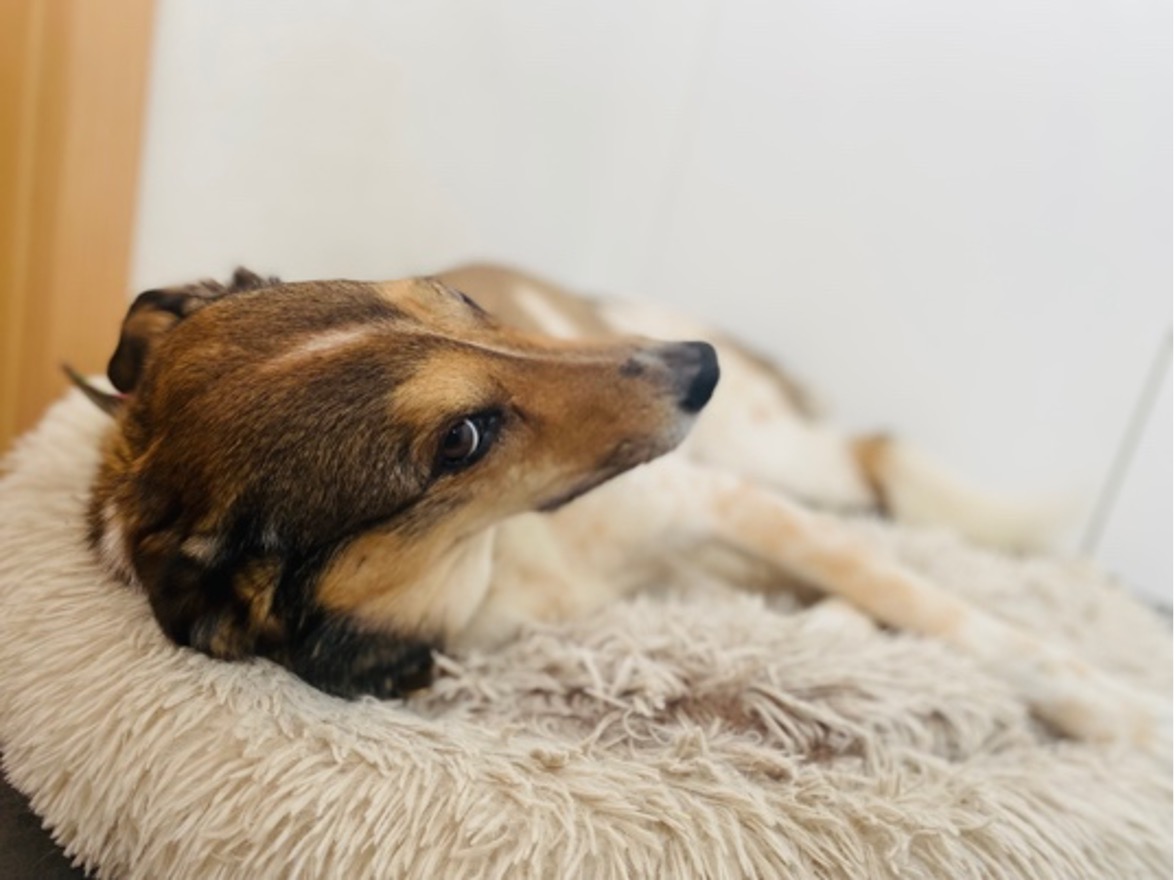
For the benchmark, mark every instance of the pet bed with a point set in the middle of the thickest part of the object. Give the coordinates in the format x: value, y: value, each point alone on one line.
x: 704, y: 734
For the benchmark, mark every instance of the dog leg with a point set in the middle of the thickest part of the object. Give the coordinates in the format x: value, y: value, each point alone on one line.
x: 1077, y: 698
x: 833, y: 614
x: 914, y: 489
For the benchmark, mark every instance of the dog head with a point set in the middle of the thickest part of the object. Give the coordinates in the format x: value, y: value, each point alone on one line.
x: 272, y: 437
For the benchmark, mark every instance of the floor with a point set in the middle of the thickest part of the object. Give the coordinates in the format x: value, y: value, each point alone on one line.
x: 26, y: 850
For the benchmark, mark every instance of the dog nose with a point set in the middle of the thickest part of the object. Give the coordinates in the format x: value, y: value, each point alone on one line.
x: 695, y: 368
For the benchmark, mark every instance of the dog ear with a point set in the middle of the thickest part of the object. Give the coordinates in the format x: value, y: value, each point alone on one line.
x: 154, y: 313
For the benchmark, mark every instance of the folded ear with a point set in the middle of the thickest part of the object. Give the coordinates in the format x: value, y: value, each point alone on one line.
x: 154, y: 313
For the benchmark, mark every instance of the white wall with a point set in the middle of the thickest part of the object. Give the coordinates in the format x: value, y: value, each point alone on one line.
x: 1137, y: 536
x: 955, y: 219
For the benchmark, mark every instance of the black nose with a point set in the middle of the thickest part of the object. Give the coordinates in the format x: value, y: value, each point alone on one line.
x: 695, y: 368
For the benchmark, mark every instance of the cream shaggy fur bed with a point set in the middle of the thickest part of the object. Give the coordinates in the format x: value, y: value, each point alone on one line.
x: 700, y: 735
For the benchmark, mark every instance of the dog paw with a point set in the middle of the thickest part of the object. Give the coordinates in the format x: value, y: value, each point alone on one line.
x: 1113, y: 713
x: 836, y: 616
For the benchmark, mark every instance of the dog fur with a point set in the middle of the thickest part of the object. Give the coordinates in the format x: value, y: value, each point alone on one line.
x: 345, y: 476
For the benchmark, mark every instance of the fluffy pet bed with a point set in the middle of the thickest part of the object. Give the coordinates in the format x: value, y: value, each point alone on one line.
x: 699, y: 735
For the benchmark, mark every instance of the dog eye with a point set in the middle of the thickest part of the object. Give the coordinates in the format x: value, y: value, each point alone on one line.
x: 460, y: 442
x: 467, y: 440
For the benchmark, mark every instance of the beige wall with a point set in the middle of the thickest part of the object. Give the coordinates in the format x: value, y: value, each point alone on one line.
x: 72, y: 81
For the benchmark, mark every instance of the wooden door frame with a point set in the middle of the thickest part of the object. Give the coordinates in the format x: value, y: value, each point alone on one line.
x: 73, y: 77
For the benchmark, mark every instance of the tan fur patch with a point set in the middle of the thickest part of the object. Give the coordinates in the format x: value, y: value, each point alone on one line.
x: 506, y: 293
x: 871, y: 453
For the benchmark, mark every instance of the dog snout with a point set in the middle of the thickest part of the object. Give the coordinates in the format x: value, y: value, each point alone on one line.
x: 693, y: 369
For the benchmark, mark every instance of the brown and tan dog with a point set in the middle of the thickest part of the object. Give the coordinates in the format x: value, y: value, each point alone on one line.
x: 343, y: 476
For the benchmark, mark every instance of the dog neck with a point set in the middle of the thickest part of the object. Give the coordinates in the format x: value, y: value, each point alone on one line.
x: 387, y: 582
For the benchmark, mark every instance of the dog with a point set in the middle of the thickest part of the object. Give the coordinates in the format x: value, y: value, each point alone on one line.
x: 344, y: 477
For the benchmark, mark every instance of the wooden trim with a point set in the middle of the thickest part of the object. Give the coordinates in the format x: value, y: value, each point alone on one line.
x: 72, y: 89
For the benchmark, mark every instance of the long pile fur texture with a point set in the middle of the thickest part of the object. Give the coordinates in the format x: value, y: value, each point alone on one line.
x: 704, y: 734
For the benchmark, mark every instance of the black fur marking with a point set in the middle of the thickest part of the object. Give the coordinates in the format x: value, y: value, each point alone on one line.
x: 198, y: 602
x: 632, y: 368
x: 477, y: 309
x: 202, y: 604
x: 335, y: 655
x: 191, y: 601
